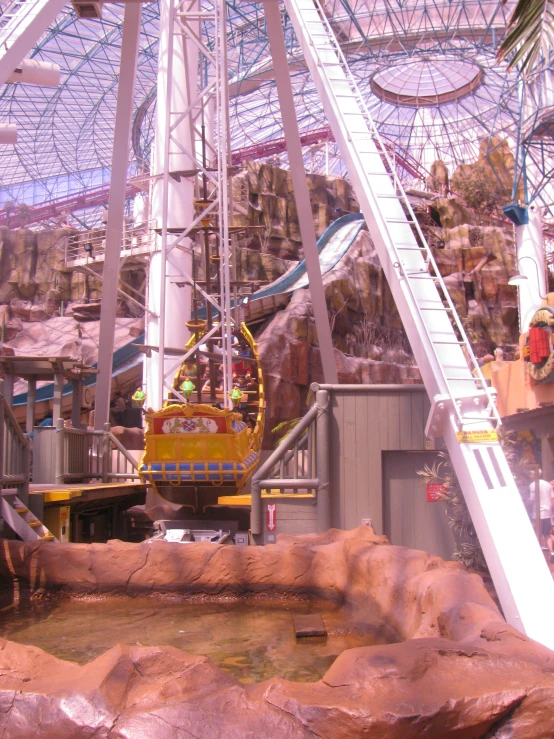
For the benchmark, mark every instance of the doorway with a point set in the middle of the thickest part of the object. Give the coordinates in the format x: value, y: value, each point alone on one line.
x: 408, y: 519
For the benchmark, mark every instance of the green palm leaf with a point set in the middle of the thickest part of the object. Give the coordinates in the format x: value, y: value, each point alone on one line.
x: 530, y: 32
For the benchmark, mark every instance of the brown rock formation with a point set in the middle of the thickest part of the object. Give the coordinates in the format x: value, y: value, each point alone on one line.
x: 265, y: 195
x: 371, y: 346
x: 462, y: 671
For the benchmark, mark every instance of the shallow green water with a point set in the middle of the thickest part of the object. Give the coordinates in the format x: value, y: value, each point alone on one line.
x: 251, y: 640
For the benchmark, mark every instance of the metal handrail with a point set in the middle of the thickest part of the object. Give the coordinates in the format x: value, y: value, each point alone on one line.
x: 93, y: 458
x: 15, y: 460
x: 317, y: 477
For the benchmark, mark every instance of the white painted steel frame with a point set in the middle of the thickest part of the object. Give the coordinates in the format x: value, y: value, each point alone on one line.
x: 182, y: 19
x: 116, y: 209
x: 452, y: 379
x: 300, y: 185
x: 26, y: 23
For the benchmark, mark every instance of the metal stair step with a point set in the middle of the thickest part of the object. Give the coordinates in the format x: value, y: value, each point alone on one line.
x: 21, y: 509
x: 34, y: 524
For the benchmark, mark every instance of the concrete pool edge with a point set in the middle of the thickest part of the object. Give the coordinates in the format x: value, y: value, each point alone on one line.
x: 462, y: 668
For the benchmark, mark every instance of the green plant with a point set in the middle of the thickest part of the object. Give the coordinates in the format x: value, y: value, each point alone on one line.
x: 9, y: 207
x: 530, y: 31
x: 468, y: 550
x: 479, y: 188
x: 24, y: 213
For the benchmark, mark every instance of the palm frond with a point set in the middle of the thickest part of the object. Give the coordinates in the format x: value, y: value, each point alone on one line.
x: 530, y: 31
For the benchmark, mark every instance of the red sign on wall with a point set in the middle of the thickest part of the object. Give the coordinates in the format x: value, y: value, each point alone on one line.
x: 435, y: 491
x: 271, y: 516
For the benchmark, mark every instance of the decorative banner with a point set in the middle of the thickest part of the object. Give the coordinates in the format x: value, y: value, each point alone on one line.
x: 477, y: 437
x: 271, y: 516
x: 435, y: 491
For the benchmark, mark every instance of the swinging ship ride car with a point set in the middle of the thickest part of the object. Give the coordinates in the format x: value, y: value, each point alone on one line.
x: 191, y: 444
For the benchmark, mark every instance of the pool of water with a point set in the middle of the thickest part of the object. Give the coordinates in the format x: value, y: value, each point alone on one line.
x: 251, y: 640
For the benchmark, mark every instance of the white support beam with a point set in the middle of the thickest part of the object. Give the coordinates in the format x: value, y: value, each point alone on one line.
x: 116, y: 206
x: 23, y: 30
x: 301, y: 192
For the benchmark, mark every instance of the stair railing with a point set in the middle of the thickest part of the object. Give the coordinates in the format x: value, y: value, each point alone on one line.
x: 300, y: 462
x: 87, y: 454
x: 14, y: 449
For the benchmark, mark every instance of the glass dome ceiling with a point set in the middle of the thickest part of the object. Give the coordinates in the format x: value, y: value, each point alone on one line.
x: 427, y: 69
x: 426, y: 82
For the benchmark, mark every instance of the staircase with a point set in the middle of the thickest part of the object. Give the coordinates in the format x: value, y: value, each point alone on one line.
x: 22, y: 521
x: 463, y: 409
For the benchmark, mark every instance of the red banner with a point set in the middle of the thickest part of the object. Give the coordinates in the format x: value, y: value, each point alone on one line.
x: 435, y: 492
x: 271, y: 516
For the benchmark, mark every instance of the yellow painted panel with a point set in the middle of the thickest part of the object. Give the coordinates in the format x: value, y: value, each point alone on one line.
x: 245, y: 500
x: 217, y: 448
x: 166, y: 449
x: 192, y: 447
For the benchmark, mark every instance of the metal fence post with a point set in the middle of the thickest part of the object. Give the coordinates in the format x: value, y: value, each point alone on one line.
x: 60, y: 461
x: 106, y: 454
x: 255, y: 509
x: 322, y: 401
x: 26, y: 459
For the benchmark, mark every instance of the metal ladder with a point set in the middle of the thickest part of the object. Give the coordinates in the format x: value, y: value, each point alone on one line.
x: 463, y: 410
x: 15, y: 18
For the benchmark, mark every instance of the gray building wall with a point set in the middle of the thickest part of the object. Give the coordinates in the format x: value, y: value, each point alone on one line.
x: 365, y: 422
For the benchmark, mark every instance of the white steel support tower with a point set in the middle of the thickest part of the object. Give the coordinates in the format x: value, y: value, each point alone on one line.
x: 463, y: 410
x: 190, y: 167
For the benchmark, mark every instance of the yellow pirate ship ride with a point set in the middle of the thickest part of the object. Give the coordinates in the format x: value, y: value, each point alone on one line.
x: 194, y: 444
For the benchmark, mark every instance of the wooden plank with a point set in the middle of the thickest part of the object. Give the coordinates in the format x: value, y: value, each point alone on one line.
x: 393, y: 412
x: 337, y: 463
x: 383, y: 422
x: 365, y: 440
x: 418, y: 421
x: 350, y: 475
x: 405, y: 420
x: 308, y: 624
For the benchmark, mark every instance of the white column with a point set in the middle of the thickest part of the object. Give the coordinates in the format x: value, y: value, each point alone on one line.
x: 116, y: 206
x: 530, y: 263
x: 177, y: 85
x: 301, y: 192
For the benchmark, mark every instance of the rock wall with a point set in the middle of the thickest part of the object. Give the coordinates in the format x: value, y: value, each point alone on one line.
x: 462, y: 671
x: 485, y: 302
x: 370, y: 343
x: 264, y: 194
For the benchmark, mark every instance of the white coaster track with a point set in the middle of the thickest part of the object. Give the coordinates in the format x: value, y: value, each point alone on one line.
x: 460, y: 398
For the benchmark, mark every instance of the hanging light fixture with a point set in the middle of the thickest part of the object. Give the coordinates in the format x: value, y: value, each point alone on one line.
x: 187, y: 388
x: 518, y: 279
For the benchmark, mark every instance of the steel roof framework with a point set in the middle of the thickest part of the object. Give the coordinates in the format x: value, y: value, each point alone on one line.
x: 65, y: 135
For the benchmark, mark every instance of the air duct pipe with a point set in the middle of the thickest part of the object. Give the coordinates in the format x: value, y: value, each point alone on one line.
x: 35, y: 72
x: 8, y: 133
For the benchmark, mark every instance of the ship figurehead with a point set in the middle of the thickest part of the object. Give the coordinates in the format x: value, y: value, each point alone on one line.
x: 539, y: 350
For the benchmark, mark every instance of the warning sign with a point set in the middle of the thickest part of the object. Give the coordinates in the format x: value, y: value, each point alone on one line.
x: 477, y: 437
x: 435, y: 491
x: 271, y: 516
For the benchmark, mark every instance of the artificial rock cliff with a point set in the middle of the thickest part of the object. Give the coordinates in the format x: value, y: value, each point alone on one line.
x: 36, y: 285
x: 458, y: 670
